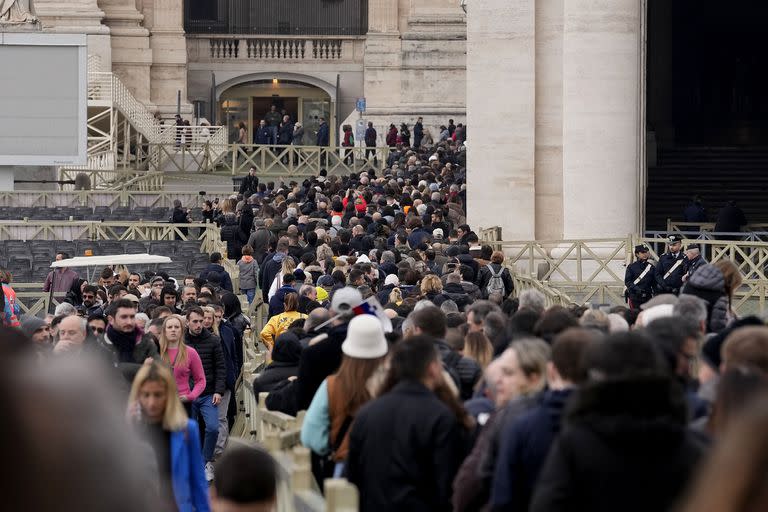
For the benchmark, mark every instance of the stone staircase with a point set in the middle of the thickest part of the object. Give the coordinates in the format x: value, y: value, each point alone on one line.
x: 716, y: 174
x: 124, y: 136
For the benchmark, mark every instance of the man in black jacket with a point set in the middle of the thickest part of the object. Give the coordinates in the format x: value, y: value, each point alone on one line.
x: 129, y: 347
x: 418, y: 133
x: 250, y: 184
x: 271, y: 266
x: 406, y: 446
x: 430, y: 321
x: 208, y: 347
x: 370, y: 142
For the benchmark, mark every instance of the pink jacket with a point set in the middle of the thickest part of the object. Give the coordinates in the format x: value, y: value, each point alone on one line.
x: 194, y: 367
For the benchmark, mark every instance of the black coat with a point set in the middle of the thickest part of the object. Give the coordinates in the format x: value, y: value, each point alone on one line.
x: 249, y: 186
x: 317, y: 362
x: 625, y: 447
x: 323, y: 135
x: 285, y: 363
x: 484, y: 277
x: 404, y: 450
x: 180, y: 216
x: 208, y: 347
x: 730, y: 220
x: 285, y: 135
x: 230, y: 233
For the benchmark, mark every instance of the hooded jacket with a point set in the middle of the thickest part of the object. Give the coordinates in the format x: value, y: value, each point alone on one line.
x: 249, y: 273
x: 270, y: 268
x: 624, y: 443
x: 285, y: 363
x: 224, y: 279
x: 708, y: 284
x: 230, y: 233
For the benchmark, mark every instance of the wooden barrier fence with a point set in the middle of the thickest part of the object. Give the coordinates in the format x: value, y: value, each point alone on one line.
x: 279, y: 433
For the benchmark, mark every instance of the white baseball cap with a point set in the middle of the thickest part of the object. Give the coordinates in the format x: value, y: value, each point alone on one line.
x: 344, y: 299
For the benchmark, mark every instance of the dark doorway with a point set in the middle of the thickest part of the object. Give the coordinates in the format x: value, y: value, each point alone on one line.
x: 707, y: 107
x: 261, y: 106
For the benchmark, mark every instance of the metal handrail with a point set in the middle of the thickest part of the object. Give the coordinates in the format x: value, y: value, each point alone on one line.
x: 593, y: 269
x: 93, y: 198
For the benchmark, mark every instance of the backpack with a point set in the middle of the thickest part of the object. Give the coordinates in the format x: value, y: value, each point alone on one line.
x: 495, y: 283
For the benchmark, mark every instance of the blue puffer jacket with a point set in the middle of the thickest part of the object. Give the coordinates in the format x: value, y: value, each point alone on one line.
x: 187, y: 474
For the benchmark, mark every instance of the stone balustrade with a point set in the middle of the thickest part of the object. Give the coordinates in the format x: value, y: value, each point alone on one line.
x: 205, y: 48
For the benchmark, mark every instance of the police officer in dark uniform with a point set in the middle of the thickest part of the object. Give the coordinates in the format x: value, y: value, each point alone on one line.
x: 671, y: 268
x: 640, y: 278
x: 693, y: 260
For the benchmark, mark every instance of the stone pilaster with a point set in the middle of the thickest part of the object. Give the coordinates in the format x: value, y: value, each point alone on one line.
x: 131, y: 54
x: 77, y: 17
x: 549, y: 120
x: 383, y: 55
x: 168, y: 74
x: 601, y: 117
x: 501, y: 98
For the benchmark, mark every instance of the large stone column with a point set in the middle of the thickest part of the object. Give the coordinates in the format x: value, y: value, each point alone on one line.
x: 168, y: 74
x: 601, y: 121
x: 131, y: 55
x: 501, y: 98
x: 549, y: 120
x: 78, y: 17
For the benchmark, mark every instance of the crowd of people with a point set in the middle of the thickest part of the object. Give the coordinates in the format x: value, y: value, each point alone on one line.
x: 280, y: 128
x: 427, y: 380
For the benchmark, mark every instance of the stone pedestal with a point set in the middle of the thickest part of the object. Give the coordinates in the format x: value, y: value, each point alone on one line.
x: 131, y: 54
x: 501, y: 96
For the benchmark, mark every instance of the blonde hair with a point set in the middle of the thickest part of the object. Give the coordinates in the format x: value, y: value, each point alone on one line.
x: 732, y: 277
x: 396, y: 296
x: 215, y: 326
x: 174, y: 417
x: 477, y: 346
x: 431, y: 283
x: 181, y: 356
x: 288, y: 266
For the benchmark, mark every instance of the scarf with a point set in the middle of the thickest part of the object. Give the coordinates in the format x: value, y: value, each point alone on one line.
x: 124, y: 343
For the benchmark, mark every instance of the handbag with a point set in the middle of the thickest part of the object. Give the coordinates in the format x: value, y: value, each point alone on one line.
x: 326, y: 463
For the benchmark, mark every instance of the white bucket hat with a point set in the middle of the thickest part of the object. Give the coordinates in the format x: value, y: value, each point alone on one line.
x: 365, y: 338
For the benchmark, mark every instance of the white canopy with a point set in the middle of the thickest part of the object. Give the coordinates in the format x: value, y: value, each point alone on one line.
x: 116, y: 259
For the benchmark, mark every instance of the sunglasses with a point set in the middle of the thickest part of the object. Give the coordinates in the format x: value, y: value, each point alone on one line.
x: 97, y: 330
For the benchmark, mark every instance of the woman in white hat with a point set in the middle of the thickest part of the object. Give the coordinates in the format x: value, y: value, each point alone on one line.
x: 328, y: 420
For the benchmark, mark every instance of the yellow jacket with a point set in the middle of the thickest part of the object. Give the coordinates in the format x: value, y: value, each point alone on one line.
x: 277, y: 325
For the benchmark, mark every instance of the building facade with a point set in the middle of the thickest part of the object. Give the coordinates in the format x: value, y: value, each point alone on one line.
x: 230, y: 60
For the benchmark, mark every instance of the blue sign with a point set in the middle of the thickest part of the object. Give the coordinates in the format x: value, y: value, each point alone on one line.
x: 360, y: 107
